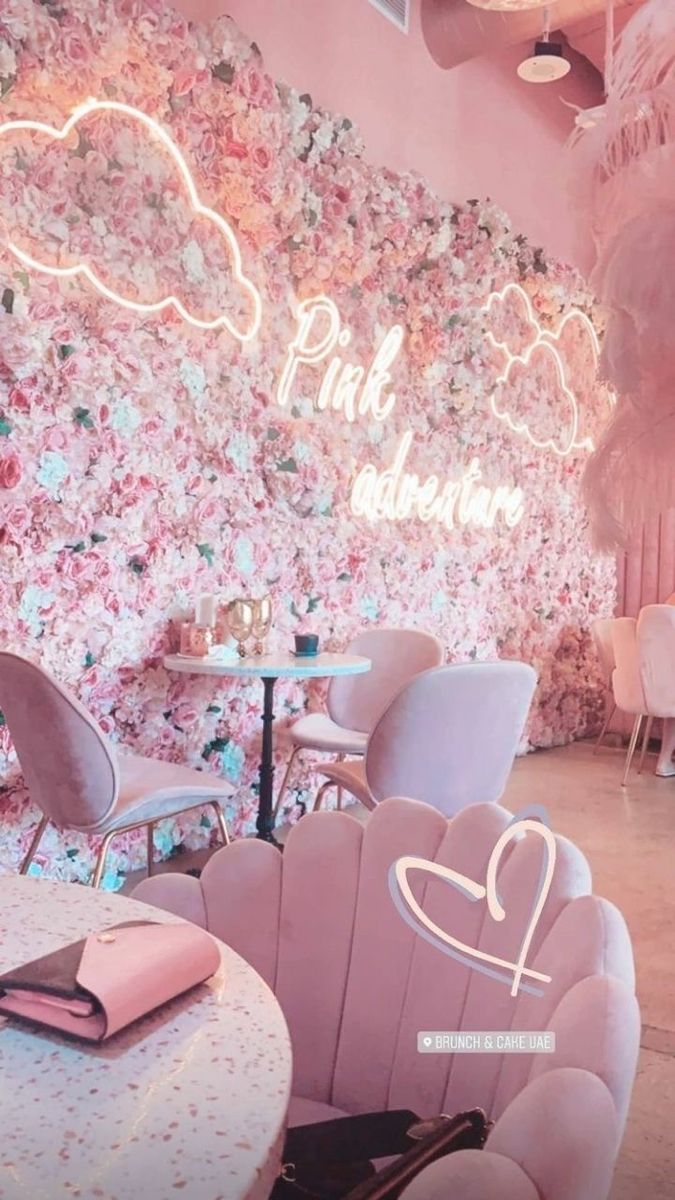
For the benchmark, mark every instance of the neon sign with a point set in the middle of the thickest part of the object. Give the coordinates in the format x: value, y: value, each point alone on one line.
x: 546, y: 341
x: 85, y: 270
x: 345, y: 387
x: 395, y: 495
x: 488, y: 964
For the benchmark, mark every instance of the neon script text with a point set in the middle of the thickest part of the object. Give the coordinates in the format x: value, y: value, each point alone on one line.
x: 345, y: 387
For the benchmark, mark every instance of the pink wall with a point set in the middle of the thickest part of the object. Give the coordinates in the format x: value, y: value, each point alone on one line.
x: 647, y: 570
x: 474, y: 131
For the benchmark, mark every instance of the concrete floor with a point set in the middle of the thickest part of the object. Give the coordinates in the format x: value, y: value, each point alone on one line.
x: 628, y: 836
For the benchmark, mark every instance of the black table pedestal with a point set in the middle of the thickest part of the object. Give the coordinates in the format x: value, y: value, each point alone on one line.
x: 265, y: 821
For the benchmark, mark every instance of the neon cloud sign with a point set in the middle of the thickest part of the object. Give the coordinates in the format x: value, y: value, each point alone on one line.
x: 545, y: 341
x: 83, y: 269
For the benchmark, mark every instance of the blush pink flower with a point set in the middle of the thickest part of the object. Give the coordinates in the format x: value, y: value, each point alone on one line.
x: 11, y: 471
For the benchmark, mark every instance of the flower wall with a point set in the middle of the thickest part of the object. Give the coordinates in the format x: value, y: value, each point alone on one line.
x: 144, y: 458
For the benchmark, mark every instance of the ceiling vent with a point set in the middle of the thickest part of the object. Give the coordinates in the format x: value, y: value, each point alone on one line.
x: 398, y: 11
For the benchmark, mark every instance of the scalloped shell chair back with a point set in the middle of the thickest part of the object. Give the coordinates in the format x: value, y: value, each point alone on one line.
x: 448, y: 738
x: 74, y: 776
x: 355, y: 702
x: 356, y: 984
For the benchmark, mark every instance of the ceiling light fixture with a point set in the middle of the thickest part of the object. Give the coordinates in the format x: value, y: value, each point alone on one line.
x: 548, y: 62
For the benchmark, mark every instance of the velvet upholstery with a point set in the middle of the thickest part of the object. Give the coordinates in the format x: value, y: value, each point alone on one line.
x: 626, y: 682
x: 448, y: 737
x: 356, y: 984
x: 72, y: 772
x: 655, y: 636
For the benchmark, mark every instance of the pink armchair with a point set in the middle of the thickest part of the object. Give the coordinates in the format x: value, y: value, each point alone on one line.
x: 356, y: 984
x: 448, y: 737
x: 76, y: 779
x: 355, y: 702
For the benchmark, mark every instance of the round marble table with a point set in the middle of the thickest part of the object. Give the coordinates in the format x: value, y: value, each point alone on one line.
x: 191, y: 1101
x: 269, y: 668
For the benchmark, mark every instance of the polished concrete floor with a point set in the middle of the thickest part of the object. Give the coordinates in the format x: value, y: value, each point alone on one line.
x: 628, y: 836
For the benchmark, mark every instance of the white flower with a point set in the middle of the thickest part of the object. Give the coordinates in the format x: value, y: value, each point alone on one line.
x: 193, y: 378
x: 33, y: 601
x: 52, y: 472
x: 124, y: 418
x: 193, y: 261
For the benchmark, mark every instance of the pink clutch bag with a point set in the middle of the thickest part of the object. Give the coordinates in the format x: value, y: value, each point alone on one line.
x: 96, y: 987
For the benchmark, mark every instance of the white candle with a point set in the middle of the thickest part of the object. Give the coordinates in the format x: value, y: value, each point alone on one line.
x: 206, y: 609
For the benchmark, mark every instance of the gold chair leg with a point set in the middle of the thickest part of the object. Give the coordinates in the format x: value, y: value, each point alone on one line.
x: 102, y: 855
x: 340, y: 758
x: 35, y: 842
x: 631, y: 748
x: 322, y: 792
x: 222, y: 823
x: 151, y: 847
x: 605, y: 727
x: 286, y: 779
x: 645, y: 743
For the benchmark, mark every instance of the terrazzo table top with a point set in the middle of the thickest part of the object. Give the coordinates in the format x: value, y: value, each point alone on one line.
x: 273, y: 666
x: 190, y: 1101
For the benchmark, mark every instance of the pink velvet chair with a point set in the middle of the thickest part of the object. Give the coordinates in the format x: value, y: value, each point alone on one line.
x: 655, y: 635
x: 601, y: 632
x: 74, y: 776
x: 357, y: 984
x: 355, y: 702
x: 449, y: 738
x: 627, y: 686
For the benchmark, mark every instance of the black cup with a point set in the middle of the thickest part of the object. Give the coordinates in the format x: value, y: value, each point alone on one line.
x: 306, y: 643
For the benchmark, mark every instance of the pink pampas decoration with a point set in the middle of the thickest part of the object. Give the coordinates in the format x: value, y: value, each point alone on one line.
x: 625, y: 170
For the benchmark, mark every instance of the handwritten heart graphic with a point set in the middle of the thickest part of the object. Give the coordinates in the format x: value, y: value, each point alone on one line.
x: 413, y: 914
x: 551, y: 345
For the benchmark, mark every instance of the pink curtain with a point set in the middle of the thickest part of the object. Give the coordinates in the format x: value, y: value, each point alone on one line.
x: 646, y: 571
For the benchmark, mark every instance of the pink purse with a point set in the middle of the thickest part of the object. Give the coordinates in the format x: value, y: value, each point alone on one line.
x: 95, y: 987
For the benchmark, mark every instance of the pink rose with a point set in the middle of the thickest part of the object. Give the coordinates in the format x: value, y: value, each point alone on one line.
x: 11, y: 471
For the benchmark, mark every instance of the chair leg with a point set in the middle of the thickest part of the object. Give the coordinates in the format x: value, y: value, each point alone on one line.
x: 605, y: 727
x: 222, y: 823
x: 35, y: 842
x: 151, y: 848
x: 631, y: 748
x: 102, y: 855
x: 286, y: 779
x: 340, y: 758
x: 645, y: 743
x: 322, y: 792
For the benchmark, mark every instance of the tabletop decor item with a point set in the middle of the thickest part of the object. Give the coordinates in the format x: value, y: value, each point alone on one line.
x: 77, y: 989
x: 205, y: 610
x: 306, y: 644
x: 240, y: 621
x: 262, y: 621
x: 195, y: 640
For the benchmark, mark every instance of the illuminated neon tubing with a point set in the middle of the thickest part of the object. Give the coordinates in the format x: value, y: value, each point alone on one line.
x: 544, y: 339
x: 85, y: 109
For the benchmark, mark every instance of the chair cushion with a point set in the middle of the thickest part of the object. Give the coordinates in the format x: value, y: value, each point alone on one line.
x: 151, y: 789
x: 307, y: 1112
x: 316, y: 731
x: 352, y: 777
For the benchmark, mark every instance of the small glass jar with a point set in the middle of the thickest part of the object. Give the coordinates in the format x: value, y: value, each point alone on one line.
x: 195, y: 640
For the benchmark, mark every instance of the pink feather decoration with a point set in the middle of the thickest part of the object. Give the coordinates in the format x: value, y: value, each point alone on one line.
x: 625, y: 176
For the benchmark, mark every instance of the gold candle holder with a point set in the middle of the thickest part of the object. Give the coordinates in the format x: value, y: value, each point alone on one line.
x: 262, y: 621
x: 240, y: 622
